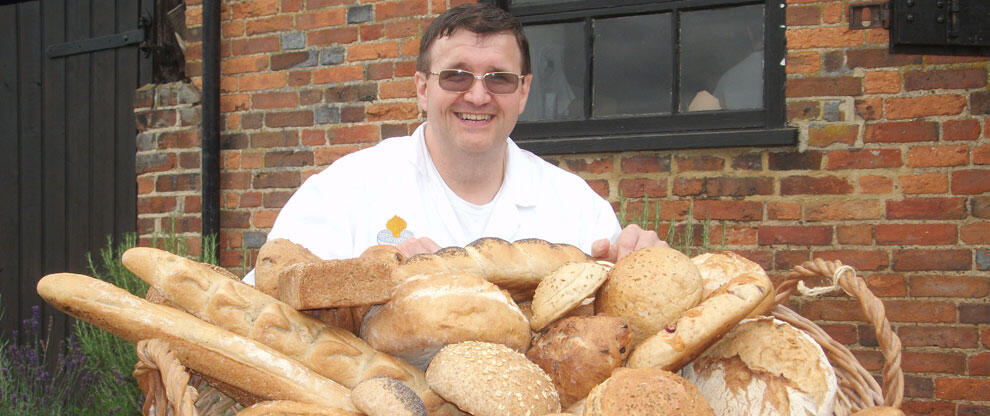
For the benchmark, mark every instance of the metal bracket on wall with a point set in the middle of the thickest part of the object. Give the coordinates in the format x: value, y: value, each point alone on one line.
x: 99, y: 43
x: 869, y: 15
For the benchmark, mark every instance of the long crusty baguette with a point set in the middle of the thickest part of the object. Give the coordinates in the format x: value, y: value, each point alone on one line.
x: 243, y: 363
x: 333, y: 352
x: 516, y: 267
x: 699, y: 327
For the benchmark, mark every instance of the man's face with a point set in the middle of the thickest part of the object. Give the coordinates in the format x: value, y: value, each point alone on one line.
x: 474, y: 121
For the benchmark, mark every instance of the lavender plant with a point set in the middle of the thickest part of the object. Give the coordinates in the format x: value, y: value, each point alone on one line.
x: 37, y: 378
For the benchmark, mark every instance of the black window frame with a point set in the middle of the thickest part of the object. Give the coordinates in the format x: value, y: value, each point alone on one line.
x: 677, y: 130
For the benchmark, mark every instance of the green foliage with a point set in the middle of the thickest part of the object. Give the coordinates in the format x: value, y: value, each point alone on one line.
x: 681, y: 236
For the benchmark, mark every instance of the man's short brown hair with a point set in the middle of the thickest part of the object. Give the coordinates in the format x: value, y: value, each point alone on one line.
x: 478, y: 18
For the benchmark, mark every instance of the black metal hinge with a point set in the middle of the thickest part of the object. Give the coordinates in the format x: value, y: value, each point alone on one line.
x: 117, y: 40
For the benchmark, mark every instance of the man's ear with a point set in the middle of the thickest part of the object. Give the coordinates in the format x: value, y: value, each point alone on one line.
x: 524, y: 90
x: 420, y: 79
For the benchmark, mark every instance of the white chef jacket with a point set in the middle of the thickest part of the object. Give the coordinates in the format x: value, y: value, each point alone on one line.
x: 392, y: 191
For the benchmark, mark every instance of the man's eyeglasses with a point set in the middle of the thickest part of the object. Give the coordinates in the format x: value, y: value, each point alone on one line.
x: 457, y: 80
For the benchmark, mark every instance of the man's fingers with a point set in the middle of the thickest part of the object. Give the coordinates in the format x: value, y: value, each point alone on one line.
x: 413, y: 246
x: 600, y: 248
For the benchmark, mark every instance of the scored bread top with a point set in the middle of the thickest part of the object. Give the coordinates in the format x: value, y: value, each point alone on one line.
x: 565, y: 289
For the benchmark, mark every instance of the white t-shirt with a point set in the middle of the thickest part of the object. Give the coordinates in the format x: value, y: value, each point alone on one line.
x: 391, y: 191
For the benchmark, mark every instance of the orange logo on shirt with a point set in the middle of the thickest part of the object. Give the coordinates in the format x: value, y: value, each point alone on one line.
x: 395, y: 231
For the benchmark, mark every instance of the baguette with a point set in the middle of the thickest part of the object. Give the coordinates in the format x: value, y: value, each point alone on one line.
x: 699, y: 327
x: 214, y: 352
x: 244, y: 310
x: 289, y: 408
x: 516, y: 267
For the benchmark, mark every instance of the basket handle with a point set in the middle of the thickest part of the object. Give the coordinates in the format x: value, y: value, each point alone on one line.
x: 164, y: 380
x: 845, y: 277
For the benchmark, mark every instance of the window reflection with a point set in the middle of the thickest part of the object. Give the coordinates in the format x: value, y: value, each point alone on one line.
x: 632, y: 61
x: 722, y: 59
x: 558, y: 60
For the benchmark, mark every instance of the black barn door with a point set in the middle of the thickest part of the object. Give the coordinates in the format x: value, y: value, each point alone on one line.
x: 67, y: 140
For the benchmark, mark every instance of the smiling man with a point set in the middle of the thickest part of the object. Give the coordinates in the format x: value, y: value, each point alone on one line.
x: 459, y: 176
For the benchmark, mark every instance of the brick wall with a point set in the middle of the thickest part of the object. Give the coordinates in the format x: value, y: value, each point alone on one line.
x: 891, y: 175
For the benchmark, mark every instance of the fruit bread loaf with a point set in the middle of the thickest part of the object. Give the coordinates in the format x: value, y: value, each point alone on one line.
x: 212, y: 351
x: 242, y: 309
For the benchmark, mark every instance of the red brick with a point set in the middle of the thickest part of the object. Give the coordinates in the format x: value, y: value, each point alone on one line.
x: 980, y: 206
x: 597, y: 165
x: 254, y: 8
x: 843, y: 210
x: 861, y: 260
x: 372, y: 51
x: 303, y: 118
x: 916, y: 234
x: 808, y: 160
x: 823, y: 37
x: 288, y: 60
x: 352, y: 114
x: 282, y: 138
x: 875, y: 184
x: 904, y: 131
x: 284, y: 179
x: 777, y: 210
x: 854, y: 234
x: 795, y: 235
x: 235, y: 180
x: 332, y: 36
x: 235, y: 102
x: 879, y: 58
x: 882, y: 82
x: 803, y: 110
x: 824, y: 87
x: 803, y: 63
x: 926, y: 209
x: 785, y: 260
x: 933, y: 362
x: 736, y: 186
x: 887, y: 285
x: 364, y: 133
x: 700, y: 163
x: 405, y: 68
x: 945, y: 79
x: 832, y: 310
x: 264, y: 218
x: 869, y: 108
x: 265, y: 81
x: 372, y: 32
x: 177, y: 182
x: 276, y: 199
x: 927, y: 407
x: 180, y: 139
x: 975, y: 233
x: 243, y: 64
x: 933, y: 260
x: 402, y: 28
x: 925, y: 183
x: 251, y: 46
x: 250, y: 200
x: 981, y: 154
x: 985, y: 336
x: 270, y: 100
x: 642, y: 187
x: 863, y: 159
x: 808, y: 185
x: 338, y: 74
x: 962, y: 389
x: 842, y: 333
x: 645, y: 163
x: 402, y: 8
x: 290, y: 158
x: 898, y: 108
x: 289, y: 6
x: 915, y: 311
x: 949, y: 286
x: 322, y: 18
x: 193, y: 204
x: 600, y: 186
x: 824, y: 135
x: 979, y: 102
x: 728, y: 210
x: 300, y: 78
x: 145, y: 185
x: 803, y: 15
x: 326, y: 155
x: 380, y: 70
x: 970, y: 182
x: 156, y: 204
x: 833, y: 13
x: 979, y: 364
x: 392, y: 111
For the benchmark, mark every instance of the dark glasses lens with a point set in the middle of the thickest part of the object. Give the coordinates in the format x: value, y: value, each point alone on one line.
x: 457, y: 80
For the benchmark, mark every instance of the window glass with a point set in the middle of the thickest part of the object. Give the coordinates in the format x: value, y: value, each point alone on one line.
x: 632, y: 62
x: 557, y: 57
x: 722, y: 59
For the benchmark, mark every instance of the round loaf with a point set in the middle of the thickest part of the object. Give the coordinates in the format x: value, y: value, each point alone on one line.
x: 580, y: 352
x: 486, y: 379
x: 649, y: 289
x: 646, y: 392
x: 564, y: 290
x: 717, y: 269
x: 765, y: 367
x: 427, y: 312
x: 386, y: 396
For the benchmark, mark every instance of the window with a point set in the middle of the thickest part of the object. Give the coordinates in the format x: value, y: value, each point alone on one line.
x: 649, y: 75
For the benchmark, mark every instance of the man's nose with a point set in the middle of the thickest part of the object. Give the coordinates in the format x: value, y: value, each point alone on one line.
x: 478, y: 93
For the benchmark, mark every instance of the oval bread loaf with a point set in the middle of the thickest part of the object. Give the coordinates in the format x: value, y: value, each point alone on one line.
x: 717, y: 269
x: 699, y: 327
x: 646, y: 392
x: 565, y: 289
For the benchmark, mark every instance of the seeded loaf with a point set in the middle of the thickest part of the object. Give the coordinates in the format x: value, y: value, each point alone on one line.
x: 646, y: 392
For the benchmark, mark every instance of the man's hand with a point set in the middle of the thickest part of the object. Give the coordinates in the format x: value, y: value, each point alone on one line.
x: 631, y: 238
x: 413, y: 246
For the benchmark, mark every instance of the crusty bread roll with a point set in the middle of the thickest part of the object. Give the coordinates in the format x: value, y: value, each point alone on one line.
x: 516, y: 267
x: 430, y: 311
x: 699, y: 327
x: 646, y: 392
x: 765, y: 367
x: 275, y: 255
x: 212, y: 351
x: 649, y: 289
x: 880, y: 411
x: 486, y: 379
x: 384, y: 396
x: 335, y: 353
x: 580, y: 352
x: 291, y: 408
x: 564, y: 289
x: 718, y: 268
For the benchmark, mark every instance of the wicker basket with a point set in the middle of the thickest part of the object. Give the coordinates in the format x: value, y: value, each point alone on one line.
x: 167, y: 385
